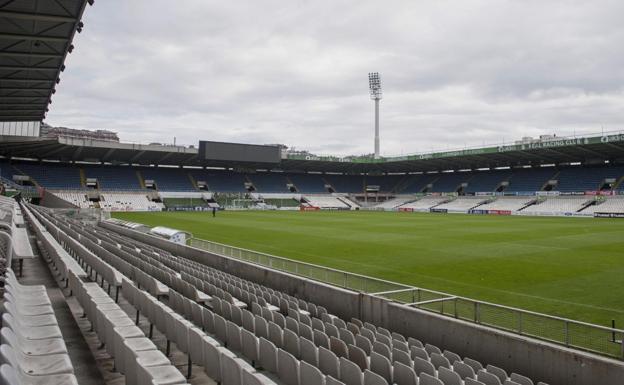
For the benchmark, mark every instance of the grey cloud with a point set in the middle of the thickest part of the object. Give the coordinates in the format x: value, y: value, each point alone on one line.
x: 454, y: 73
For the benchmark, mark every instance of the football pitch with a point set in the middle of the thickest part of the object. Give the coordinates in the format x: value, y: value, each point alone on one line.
x: 570, y: 267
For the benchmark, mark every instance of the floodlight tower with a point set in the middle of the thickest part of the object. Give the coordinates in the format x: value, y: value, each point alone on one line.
x: 374, y: 84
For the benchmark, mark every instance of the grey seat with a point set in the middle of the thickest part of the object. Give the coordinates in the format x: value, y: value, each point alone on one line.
x: 29, y: 347
x: 510, y: 382
x: 401, y: 356
x: 452, y: 357
x: 350, y: 373
x: 338, y: 347
x: 432, y: 349
x: 449, y: 377
x: 422, y: 366
x: 329, y: 380
x: 414, y: 342
x: 276, y: 335
x: 426, y: 379
x: 498, y: 372
x: 438, y: 361
x: 346, y: 336
x: 10, y: 376
x: 404, y: 374
x: 232, y: 370
x: 522, y: 380
x: 262, y: 327
x: 250, y: 346
x: 358, y: 356
x: 310, y: 375
x: 415, y: 351
x: 321, y: 339
x: 382, y: 349
x: 36, y: 365
x: 400, y: 345
x: 287, y: 367
x: 464, y: 370
x: 371, y: 378
x: 328, y: 362
x: 365, y: 332
x: 364, y: 344
x: 306, y: 331
x: 234, y: 337
x: 381, y: 365
x: 268, y: 355
x: 291, y: 343
x: 470, y: 381
x: 474, y: 364
x: 309, y: 351
x: 488, y: 378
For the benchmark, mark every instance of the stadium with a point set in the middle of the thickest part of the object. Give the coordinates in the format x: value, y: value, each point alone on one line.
x: 236, y: 263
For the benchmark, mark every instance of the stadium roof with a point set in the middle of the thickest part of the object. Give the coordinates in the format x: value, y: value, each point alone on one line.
x: 587, y: 150
x: 35, y: 37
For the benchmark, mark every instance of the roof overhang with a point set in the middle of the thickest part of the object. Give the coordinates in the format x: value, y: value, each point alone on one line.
x: 35, y: 38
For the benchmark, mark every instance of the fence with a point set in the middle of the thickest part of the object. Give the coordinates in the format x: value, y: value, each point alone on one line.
x: 575, y: 334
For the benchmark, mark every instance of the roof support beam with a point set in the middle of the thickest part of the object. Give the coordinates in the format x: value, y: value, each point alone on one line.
x: 26, y: 80
x: 17, y: 36
x: 2, y: 105
x: 24, y: 88
x: 22, y: 97
x: 32, y: 54
x: 20, y: 118
x: 28, y: 68
x: 37, y: 17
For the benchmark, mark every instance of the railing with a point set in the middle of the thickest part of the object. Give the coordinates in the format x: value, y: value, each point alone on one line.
x: 575, y: 334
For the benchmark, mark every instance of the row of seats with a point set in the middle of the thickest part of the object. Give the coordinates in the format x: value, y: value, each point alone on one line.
x: 64, y: 177
x: 33, y: 350
x: 461, y: 204
x: 272, y: 333
x: 134, y: 355
x: 13, y: 235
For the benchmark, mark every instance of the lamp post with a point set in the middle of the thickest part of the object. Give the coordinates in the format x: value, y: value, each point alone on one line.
x: 374, y: 84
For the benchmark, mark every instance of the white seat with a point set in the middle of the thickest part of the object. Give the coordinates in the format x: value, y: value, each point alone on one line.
x: 36, y: 365
x: 131, y: 347
x: 9, y: 376
x: 31, y: 347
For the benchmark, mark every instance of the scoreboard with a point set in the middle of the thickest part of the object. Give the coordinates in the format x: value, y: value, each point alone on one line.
x: 239, y: 152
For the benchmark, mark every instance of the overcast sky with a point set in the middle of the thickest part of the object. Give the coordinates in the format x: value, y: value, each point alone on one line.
x: 454, y: 73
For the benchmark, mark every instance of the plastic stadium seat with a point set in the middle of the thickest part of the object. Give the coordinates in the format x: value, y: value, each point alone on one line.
x: 9, y: 376
x: 350, y: 373
x: 401, y: 356
x: 423, y: 366
x: 358, y: 356
x: 268, y: 355
x: 426, y: 379
x: 449, y: 377
x: 498, y: 372
x: 287, y: 367
x: 475, y: 365
x: 363, y: 343
x: 522, y: 380
x: 404, y: 374
x: 309, y: 351
x: 488, y: 378
x: 328, y: 362
x: 382, y: 349
x: 310, y: 375
x: 381, y: 365
x: 338, y: 347
x: 371, y: 378
x: 36, y: 365
x: 464, y: 370
x: 438, y: 360
x: 30, y: 347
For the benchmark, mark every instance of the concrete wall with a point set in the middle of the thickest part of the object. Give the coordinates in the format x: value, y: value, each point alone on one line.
x: 538, y: 360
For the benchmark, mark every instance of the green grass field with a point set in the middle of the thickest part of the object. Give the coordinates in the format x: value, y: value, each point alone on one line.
x: 571, y: 267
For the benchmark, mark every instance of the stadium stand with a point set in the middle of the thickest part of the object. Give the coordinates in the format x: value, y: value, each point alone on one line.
x: 308, y: 183
x: 114, y: 178
x: 386, y: 183
x: 269, y: 182
x: 128, y: 202
x: 487, y: 181
x: 326, y: 202
x: 573, y: 179
x: 346, y: 183
x: 462, y: 204
x: 558, y: 205
x: 609, y: 205
x: 221, y: 181
x: 508, y: 203
x: 249, y: 333
x: 50, y: 175
x: 168, y: 179
x: 425, y: 203
x: 450, y: 182
x: 530, y: 179
x: 395, y: 202
x: 76, y: 198
x: 417, y: 183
